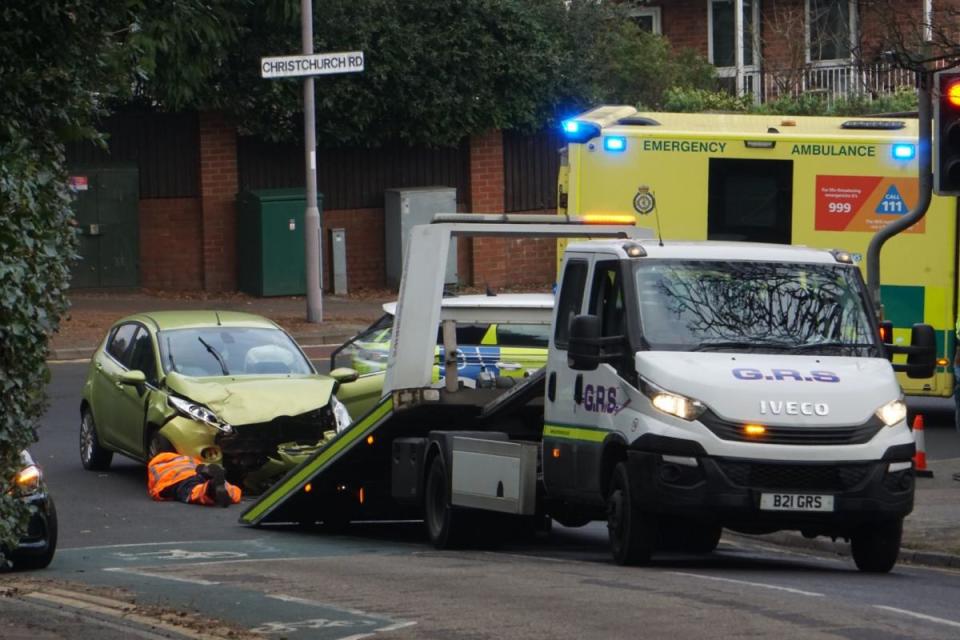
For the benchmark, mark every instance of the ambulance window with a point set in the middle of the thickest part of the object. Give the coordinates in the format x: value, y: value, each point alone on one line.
x: 750, y: 200
x: 571, y: 297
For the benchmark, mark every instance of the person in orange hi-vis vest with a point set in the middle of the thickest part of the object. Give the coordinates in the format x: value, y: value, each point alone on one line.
x: 171, y: 476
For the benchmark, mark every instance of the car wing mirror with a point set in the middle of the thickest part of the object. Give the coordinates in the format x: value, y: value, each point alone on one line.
x: 134, y: 378
x: 344, y: 375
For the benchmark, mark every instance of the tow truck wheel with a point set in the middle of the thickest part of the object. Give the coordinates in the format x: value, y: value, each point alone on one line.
x: 93, y: 457
x: 633, y: 532
x: 442, y: 520
x: 876, y: 548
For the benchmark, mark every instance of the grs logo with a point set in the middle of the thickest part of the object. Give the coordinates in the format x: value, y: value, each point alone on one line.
x: 746, y: 373
x: 600, y: 399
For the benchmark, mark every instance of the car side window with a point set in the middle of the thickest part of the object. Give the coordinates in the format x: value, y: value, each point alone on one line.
x: 120, y: 342
x: 571, y: 296
x: 142, y: 357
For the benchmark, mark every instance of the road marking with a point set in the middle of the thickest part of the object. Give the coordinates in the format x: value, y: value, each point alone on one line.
x: 393, y: 627
x: 158, y: 544
x: 921, y: 616
x: 183, y: 554
x: 160, y: 576
x: 72, y: 361
x: 761, y: 585
x: 77, y: 601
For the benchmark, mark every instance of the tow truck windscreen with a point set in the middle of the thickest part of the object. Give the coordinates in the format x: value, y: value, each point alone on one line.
x: 814, y: 309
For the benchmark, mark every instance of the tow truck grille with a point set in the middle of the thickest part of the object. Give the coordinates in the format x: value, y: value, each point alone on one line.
x: 795, y: 477
x: 857, y: 434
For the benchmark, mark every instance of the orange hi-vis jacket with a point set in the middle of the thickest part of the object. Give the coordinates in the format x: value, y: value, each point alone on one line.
x: 167, y: 470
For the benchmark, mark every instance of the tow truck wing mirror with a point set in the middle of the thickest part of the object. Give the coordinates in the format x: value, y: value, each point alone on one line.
x: 583, y: 351
x: 921, y: 354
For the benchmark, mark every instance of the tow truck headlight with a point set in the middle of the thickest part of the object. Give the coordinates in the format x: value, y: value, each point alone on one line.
x: 673, y: 403
x: 892, y: 413
x: 340, y: 414
x: 199, y: 413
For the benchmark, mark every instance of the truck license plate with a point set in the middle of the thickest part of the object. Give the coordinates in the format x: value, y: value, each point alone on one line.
x: 795, y: 502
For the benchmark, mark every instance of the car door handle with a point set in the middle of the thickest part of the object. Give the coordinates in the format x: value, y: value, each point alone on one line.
x: 578, y: 389
x: 552, y: 386
x: 510, y: 366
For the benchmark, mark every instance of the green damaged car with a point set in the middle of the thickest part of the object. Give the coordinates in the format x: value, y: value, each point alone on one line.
x: 226, y: 387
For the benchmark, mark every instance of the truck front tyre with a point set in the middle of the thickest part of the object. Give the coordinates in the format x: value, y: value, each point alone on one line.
x: 442, y: 520
x: 633, y: 532
x: 876, y: 548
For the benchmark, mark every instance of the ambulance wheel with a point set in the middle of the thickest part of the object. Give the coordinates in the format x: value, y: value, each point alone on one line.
x: 93, y: 457
x: 876, y: 548
x: 444, y: 523
x: 633, y: 532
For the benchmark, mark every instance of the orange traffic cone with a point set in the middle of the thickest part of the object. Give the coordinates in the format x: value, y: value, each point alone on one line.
x: 920, y: 457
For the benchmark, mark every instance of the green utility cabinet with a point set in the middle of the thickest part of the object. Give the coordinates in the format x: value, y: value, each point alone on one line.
x: 270, y: 242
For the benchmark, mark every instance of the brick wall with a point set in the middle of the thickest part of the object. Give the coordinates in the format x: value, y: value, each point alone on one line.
x: 171, y: 244
x: 218, y: 191
x: 684, y: 23
x: 365, y: 248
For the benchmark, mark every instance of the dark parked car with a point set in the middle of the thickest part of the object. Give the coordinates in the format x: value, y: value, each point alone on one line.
x: 39, y: 543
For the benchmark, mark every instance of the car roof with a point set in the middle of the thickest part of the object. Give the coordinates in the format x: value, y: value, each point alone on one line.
x: 165, y: 320
x: 499, y: 301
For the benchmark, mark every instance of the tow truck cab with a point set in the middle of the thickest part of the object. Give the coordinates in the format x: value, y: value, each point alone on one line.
x: 695, y: 386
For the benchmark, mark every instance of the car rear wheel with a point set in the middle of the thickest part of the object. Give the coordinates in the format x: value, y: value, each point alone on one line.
x: 92, y: 455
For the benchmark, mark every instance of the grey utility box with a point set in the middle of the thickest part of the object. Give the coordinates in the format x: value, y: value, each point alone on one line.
x: 404, y: 208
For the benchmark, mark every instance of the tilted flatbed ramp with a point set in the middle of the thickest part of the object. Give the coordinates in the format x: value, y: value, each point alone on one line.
x: 351, y: 477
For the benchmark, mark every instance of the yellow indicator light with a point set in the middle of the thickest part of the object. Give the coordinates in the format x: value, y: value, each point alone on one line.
x: 370, y: 440
x: 556, y: 452
x: 361, y: 495
x: 308, y: 488
x: 609, y: 218
x: 28, y: 476
x: 754, y: 429
x: 942, y: 362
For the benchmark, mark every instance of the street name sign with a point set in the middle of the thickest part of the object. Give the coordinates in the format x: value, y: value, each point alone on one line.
x: 318, y: 64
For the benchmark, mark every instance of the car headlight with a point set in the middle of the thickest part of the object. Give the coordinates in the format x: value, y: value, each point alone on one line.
x: 28, y: 480
x: 340, y: 414
x: 673, y: 403
x: 199, y: 413
x: 893, y: 412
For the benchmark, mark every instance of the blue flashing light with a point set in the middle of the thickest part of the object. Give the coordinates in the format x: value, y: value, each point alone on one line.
x: 903, y: 151
x: 615, y: 143
x: 571, y: 126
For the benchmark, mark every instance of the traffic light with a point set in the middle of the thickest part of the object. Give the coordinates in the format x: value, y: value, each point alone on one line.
x: 946, y: 124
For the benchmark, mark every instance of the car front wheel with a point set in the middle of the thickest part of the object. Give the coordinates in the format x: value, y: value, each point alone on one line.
x: 92, y: 455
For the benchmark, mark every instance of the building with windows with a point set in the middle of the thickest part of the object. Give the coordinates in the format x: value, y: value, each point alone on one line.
x: 770, y: 48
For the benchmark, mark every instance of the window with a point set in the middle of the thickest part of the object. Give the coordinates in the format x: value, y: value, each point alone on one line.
x: 120, y: 343
x: 723, y: 36
x: 647, y: 18
x: 606, y: 299
x: 571, y: 296
x: 142, y: 357
x: 830, y: 29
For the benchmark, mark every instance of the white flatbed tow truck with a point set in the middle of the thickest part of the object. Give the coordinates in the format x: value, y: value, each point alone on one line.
x: 690, y: 386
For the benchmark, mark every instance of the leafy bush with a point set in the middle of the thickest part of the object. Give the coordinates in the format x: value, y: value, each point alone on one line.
x: 683, y: 99
x: 58, y: 61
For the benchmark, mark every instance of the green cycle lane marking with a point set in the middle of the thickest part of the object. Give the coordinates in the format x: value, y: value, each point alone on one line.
x: 301, y: 477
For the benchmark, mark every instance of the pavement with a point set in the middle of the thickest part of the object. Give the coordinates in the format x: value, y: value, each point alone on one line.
x: 92, y: 313
x: 931, y: 532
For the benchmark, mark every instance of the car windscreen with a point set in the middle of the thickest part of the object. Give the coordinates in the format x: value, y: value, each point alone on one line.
x: 815, y: 309
x: 218, y: 351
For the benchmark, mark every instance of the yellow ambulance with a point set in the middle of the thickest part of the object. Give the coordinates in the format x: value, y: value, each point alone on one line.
x: 820, y: 182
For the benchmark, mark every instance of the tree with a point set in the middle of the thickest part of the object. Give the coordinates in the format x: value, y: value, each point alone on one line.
x: 60, y: 60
